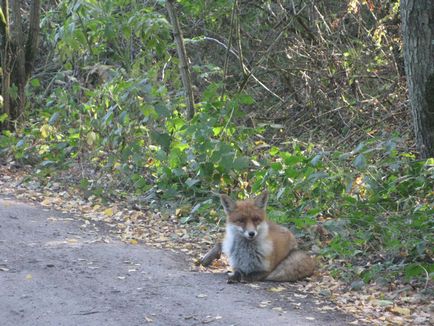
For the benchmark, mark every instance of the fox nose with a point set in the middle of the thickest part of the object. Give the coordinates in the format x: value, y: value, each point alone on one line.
x: 252, y: 234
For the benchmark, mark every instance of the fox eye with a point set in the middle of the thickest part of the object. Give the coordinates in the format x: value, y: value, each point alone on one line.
x: 256, y: 220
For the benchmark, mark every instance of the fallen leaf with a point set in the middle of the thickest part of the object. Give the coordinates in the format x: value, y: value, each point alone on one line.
x: 300, y: 295
x: 264, y: 304
x: 279, y: 309
x: 210, y: 319
x: 400, y: 311
x: 277, y: 289
x: 148, y: 320
x: 108, y: 212
x: 201, y: 296
x: 255, y: 286
x: 326, y: 308
x: 382, y: 303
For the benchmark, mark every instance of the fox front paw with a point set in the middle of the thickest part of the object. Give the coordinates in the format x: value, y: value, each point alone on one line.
x: 234, y: 277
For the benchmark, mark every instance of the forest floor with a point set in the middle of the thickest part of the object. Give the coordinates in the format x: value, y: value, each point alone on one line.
x: 86, y: 275
x: 54, y: 271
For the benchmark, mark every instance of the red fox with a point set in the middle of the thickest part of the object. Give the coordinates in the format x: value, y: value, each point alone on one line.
x: 258, y: 249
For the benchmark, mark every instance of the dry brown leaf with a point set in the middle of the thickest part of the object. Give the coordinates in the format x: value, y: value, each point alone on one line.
x: 400, y: 311
x: 46, y: 202
x: 277, y: 289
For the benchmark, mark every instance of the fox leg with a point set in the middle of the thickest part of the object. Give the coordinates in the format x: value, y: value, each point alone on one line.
x: 212, y: 255
x: 237, y: 276
x: 254, y: 276
x: 234, y: 277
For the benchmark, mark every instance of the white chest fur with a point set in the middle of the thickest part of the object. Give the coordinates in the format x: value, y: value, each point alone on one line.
x: 248, y: 255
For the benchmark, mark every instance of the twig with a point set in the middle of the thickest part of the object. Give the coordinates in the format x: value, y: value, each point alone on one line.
x: 183, y: 61
x: 247, y: 69
x: 427, y: 276
x: 225, y: 65
x: 239, y: 47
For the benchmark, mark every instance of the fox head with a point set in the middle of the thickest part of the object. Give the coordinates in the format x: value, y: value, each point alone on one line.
x: 247, y: 216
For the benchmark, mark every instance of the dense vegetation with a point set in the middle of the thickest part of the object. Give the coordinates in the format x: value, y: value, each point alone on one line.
x: 306, y: 98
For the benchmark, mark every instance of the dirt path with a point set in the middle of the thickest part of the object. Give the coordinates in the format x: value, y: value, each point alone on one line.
x: 53, y: 272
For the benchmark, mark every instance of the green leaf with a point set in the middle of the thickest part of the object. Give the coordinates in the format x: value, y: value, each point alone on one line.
x: 290, y: 159
x: 226, y: 162
x: 108, y: 116
x: 245, y: 99
x: 316, y: 176
x: 91, y: 138
x: 276, y: 166
x: 191, y: 182
x: 274, y: 150
x: 162, y: 139
x: 2, y: 17
x: 161, y: 155
x: 360, y: 162
x: 35, y: 82
x: 162, y: 110
x: 47, y: 163
x: 206, y: 169
x: 20, y: 143
x: 430, y: 162
x: 413, y: 270
x: 241, y: 163
x: 3, y: 117
x: 316, y: 160
x: 54, y: 118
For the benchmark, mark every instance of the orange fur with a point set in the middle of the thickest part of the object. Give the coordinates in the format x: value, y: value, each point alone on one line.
x: 281, y: 260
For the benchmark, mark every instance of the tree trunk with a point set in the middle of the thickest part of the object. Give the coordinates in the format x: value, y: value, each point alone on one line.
x: 18, y: 56
x: 183, y: 61
x: 18, y: 69
x: 418, y: 35
x: 33, y: 37
x: 6, y: 62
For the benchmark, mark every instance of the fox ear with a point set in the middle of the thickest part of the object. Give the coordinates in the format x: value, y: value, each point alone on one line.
x: 228, y: 203
x: 262, y: 200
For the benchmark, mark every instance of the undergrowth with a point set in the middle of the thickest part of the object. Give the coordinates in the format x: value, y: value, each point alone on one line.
x: 371, y: 207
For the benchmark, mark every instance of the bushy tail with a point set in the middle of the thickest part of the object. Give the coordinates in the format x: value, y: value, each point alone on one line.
x: 296, y: 266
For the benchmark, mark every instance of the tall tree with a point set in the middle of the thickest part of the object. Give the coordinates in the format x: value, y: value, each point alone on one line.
x: 18, y: 52
x: 418, y: 35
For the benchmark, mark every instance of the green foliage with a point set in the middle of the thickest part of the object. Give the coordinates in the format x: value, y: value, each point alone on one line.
x: 113, y: 31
